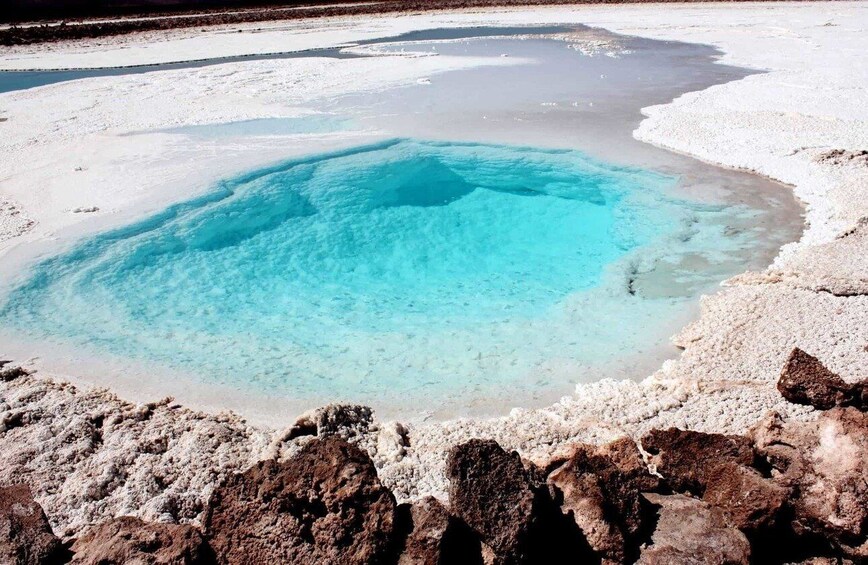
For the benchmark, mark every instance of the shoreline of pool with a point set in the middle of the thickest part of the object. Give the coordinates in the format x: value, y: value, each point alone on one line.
x: 813, y: 296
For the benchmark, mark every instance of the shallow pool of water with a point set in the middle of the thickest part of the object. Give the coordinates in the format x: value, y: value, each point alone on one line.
x: 503, y: 238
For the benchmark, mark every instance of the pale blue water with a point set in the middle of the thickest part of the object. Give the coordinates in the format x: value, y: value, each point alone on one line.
x: 389, y: 270
x: 447, y: 276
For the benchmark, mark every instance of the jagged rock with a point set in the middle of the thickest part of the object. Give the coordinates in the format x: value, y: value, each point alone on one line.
x: 325, y: 505
x: 130, y: 540
x: 684, y: 458
x: 25, y: 534
x: 600, y: 488
x: 345, y: 420
x: 750, y: 501
x: 805, y: 380
x: 435, y: 537
x: 584, y: 499
x: 492, y: 492
x: 692, y: 532
x: 719, y: 469
x: 825, y: 462
x: 509, y: 506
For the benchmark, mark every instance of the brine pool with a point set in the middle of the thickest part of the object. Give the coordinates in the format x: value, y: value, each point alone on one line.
x: 500, y: 238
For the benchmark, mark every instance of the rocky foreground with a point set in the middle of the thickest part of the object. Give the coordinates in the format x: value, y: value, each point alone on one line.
x: 786, y: 492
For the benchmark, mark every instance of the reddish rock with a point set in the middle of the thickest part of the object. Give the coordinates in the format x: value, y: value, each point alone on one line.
x: 25, y: 534
x: 600, y: 489
x: 684, y: 458
x: 325, y: 505
x: 825, y: 462
x: 750, y: 501
x: 509, y: 507
x: 692, y: 532
x: 805, y: 380
x: 436, y: 537
x: 130, y: 540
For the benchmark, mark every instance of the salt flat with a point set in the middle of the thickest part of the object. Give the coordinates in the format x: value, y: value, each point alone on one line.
x: 813, y: 99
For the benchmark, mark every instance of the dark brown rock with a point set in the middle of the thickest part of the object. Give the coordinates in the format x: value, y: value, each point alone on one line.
x: 600, y: 487
x: 684, y: 458
x: 130, y: 540
x: 692, y: 532
x: 509, y: 507
x: 805, y: 380
x: 325, y: 505
x: 25, y: 534
x: 436, y: 537
x: 492, y: 492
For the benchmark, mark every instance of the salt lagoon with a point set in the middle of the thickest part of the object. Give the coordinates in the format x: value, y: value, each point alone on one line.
x: 444, y: 276
x: 75, y: 152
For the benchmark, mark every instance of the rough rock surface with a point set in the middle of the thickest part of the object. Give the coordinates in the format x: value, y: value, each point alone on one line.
x: 90, y: 456
x: 684, y: 458
x: 325, y: 505
x: 720, y: 470
x: 435, y: 537
x: 805, y: 380
x: 691, y: 532
x: 25, y: 535
x: 825, y: 462
x: 130, y: 540
x: 750, y: 501
x: 509, y: 506
x: 493, y: 493
x: 600, y: 487
x: 345, y: 420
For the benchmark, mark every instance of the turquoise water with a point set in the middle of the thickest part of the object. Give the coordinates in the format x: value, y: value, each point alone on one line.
x: 406, y: 269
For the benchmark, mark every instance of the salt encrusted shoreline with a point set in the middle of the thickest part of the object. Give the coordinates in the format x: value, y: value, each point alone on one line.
x: 782, y: 124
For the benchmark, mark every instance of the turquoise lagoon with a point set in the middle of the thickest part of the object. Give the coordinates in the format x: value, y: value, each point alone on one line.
x: 407, y: 271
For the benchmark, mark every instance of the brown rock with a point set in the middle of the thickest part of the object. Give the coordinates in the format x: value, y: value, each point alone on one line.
x: 492, y: 492
x: 25, y: 534
x: 825, y: 462
x: 509, y: 507
x: 691, y: 532
x: 600, y: 488
x: 805, y: 380
x: 325, y: 505
x: 436, y: 537
x: 750, y: 501
x: 684, y: 458
x: 130, y: 540
x: 584, y: 500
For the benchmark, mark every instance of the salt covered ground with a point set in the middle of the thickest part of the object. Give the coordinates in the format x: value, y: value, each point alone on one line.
x: 60, y: 151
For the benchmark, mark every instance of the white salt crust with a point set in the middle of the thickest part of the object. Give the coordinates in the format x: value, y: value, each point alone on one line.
x: 813, y: 98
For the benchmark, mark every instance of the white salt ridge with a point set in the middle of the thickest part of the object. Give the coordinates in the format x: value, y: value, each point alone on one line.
x: 814, y: 97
